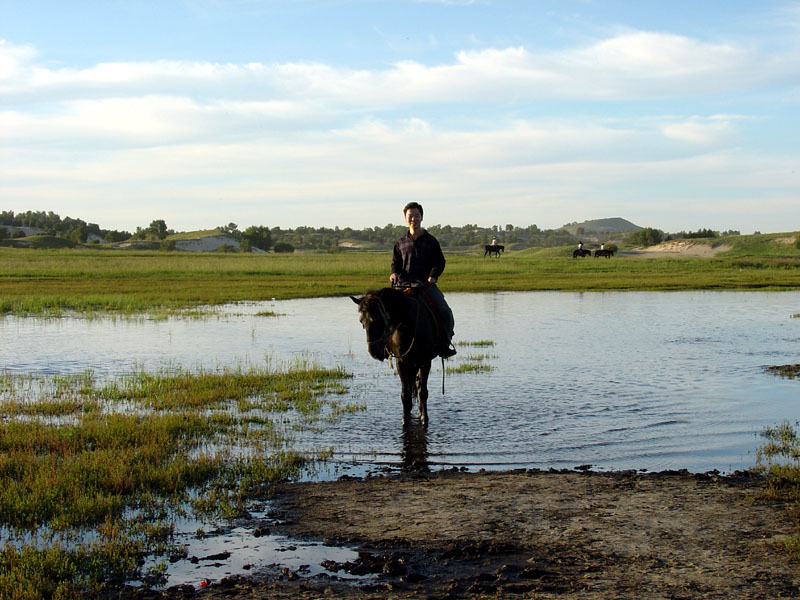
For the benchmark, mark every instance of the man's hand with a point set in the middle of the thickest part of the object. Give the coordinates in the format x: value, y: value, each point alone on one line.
x: 393, y: 278
x: 432, y: 280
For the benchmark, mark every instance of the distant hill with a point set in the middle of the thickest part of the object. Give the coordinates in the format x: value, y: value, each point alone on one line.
x: 604, y: 226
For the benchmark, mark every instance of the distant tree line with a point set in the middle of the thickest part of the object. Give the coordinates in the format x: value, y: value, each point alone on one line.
x: 76, y: 230
x: 330, y: 239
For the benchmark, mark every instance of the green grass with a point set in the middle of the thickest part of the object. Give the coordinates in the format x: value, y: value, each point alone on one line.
x: 194, y: 235
x: 472, y: 363
x: 98, y: 471
x: 778, y: 459
x: 789, y: 371
x: 127, y: 282
x: 40, y: 241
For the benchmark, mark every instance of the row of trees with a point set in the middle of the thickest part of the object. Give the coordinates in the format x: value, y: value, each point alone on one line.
x: 77, y: 230
x: 265, y: 238
x: 326, y: 238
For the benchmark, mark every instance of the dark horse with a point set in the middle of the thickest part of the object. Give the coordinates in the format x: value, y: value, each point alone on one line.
x: 495, y: 249
x: 606, y: 253
x: 581, y: 252
x: 400, y: 325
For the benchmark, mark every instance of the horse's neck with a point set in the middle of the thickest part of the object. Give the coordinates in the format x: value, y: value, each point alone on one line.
x: 398, y: 304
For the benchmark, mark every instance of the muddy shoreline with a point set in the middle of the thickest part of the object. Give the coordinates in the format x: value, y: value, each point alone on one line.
x: 532, y: 534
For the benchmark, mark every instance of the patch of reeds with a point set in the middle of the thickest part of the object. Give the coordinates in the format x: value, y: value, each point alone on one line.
x: 91, y: 473
x: 472, y: 363
x: 788, y: 371
x: 778, y: 459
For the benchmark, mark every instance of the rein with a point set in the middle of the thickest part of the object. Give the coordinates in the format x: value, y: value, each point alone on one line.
x: 389, y: 331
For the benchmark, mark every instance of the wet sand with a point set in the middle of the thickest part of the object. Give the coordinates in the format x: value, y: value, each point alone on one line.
x: 571, y: 535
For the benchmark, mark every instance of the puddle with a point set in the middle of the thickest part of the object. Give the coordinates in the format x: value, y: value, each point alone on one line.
x: 219, y: 551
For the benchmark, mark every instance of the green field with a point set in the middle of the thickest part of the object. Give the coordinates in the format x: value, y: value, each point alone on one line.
x: 47, y: 281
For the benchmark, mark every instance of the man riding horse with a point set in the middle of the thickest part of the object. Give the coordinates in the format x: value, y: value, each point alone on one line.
x: 418, y: 259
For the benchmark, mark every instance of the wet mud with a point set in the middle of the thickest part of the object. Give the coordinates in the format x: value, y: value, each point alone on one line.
x: 530, y: 534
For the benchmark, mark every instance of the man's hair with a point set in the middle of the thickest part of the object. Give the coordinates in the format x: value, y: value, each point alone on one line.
x: 411, y: 205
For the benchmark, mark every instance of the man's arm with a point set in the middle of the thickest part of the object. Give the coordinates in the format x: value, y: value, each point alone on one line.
x: 437, y: 258
x: 397, y: 264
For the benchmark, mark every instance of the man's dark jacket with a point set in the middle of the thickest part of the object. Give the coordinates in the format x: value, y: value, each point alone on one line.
x: 416, y: 260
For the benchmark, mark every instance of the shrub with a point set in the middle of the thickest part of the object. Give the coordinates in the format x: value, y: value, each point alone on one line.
x: 283, y: 247
x: 646, y: 237
x: 168, y: 245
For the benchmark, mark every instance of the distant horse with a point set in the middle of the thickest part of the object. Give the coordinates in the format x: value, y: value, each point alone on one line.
x: 400, y: 325
x: 581, y: 252
x: 606, y: 253
x: 495, y: 249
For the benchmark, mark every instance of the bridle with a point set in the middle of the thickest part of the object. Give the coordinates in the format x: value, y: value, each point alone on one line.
x: 389, y: 331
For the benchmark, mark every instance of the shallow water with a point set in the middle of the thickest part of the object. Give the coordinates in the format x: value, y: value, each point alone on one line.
x: 615, y: 380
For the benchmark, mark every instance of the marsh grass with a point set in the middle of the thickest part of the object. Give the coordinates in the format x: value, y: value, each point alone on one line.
x: 471, y: 362
x: 778, y: 459
x: 788, y: 371
x: 92, y: 473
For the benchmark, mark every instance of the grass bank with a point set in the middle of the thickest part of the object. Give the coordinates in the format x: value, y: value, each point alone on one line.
x: 94, y: 474
x: 130, y: 282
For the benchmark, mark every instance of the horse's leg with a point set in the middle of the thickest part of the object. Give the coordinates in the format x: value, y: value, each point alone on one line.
x: 407, y: 379
x: 422, y: 392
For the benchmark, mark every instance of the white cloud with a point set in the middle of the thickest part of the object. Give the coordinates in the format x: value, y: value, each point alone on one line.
x: 14, y: 60
x: 627, y: 66
x: 328, y: 137
x: 717, y: 129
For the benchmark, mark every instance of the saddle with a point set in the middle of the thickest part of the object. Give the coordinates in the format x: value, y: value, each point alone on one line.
x: 418, y: 292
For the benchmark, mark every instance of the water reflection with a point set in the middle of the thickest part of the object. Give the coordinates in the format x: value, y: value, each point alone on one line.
x: 414, y: 456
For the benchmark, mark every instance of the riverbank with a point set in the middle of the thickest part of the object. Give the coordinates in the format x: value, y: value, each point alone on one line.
x: 51, y: 282
x: 567, y: 535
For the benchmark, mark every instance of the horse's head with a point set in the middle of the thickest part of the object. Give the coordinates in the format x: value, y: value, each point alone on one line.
x: 375, y: 321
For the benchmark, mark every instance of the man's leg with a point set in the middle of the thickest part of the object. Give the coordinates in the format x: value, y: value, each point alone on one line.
x: 448, y: 321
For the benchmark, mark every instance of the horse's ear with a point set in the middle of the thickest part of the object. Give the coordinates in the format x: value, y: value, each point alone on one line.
x: 356, y: 300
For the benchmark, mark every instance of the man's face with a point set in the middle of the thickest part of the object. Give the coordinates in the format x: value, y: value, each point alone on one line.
x: 413, y: 217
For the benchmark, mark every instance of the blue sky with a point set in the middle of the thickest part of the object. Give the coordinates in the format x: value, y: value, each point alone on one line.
x: 678, y: 115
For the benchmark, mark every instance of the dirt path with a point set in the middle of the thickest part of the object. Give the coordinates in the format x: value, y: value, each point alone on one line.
x: 587, y: 536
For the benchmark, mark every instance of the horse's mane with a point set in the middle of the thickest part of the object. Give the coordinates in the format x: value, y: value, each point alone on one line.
x: 392, y: 298
x: 390, y: 294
